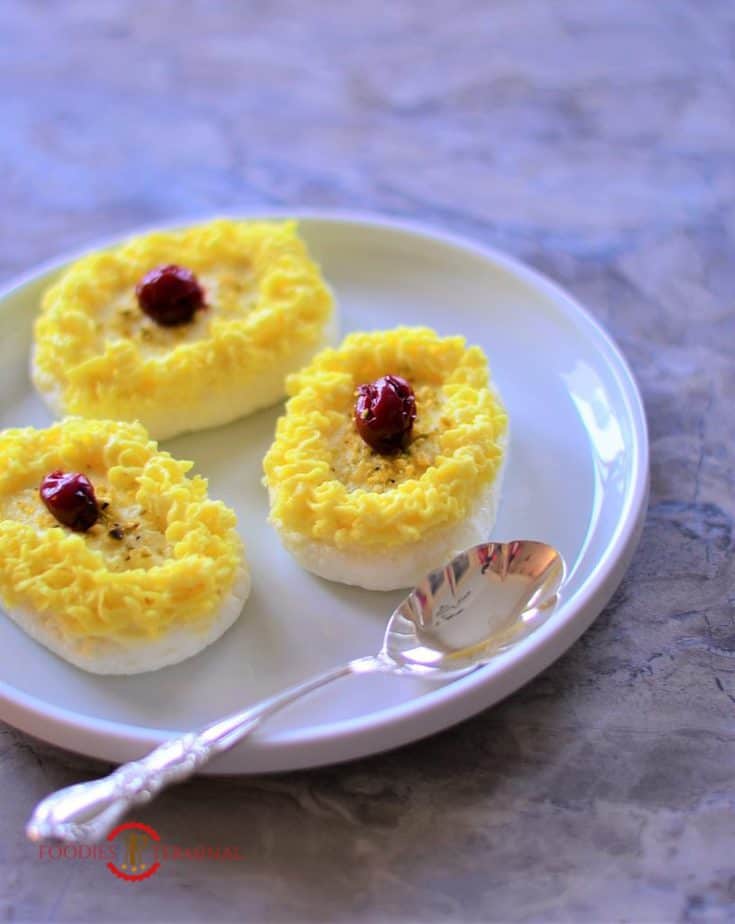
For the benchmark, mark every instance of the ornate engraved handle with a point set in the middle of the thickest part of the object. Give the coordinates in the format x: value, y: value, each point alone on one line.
x: 85, y: 813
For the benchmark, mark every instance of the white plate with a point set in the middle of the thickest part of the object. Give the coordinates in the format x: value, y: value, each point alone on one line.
x: 576, y: 477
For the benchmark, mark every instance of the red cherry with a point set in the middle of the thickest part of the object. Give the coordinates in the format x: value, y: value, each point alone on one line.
x: 170, y: 295
x: 384, y: 413
x: 70, y: 498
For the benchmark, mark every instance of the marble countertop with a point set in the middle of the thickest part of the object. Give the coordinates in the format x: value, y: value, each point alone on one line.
x: 593, y: 140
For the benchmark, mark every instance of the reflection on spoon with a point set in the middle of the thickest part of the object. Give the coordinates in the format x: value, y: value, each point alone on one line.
x: 461, y: 616
x: 475, y: 607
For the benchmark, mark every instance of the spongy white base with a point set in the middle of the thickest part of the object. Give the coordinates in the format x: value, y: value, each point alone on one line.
x: 401, y: 566
x: 105, y: 656
x: 212, y: 410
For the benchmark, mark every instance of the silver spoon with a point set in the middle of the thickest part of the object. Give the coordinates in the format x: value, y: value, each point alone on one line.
x: 457, y: 619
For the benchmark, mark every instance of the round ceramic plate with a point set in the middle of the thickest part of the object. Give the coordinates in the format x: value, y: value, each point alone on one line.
x: 576, y: 477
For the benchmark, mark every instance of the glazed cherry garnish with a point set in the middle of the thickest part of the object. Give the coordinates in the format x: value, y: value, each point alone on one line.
x: 170, y: 295
x: 384, y: 413
x: 69, y: 496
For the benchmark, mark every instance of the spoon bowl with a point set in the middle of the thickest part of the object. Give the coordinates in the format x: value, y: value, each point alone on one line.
x: 482, y: 602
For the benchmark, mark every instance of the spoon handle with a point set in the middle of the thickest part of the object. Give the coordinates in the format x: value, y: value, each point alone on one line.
x: 85, y: 812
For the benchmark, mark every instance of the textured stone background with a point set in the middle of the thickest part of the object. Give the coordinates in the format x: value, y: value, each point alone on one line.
x: 594, y: 139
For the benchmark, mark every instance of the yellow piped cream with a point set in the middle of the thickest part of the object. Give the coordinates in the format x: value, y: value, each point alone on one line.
x: 97, y: 355
x: 327, y: 485
x: 177, y: 560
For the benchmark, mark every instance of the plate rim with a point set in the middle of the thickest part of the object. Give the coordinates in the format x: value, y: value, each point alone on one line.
x: 434, y: 710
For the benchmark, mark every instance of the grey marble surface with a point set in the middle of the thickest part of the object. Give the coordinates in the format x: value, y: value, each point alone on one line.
x: 594, y: 139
